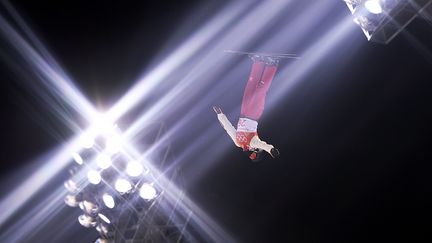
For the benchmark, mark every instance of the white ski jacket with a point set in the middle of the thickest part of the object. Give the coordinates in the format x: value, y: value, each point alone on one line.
x: 244, y: 125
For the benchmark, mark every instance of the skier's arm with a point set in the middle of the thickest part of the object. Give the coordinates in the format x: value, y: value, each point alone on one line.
x: 257, y: 143
x: 226, y: 124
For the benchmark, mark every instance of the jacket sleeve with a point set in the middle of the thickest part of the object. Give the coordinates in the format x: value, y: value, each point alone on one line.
x: 257, y: 143
x: 229, y: 128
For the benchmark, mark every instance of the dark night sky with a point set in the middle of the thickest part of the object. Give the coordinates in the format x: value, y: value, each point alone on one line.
x: 356, y: 166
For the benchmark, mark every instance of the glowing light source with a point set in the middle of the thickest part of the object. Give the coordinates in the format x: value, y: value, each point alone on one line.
x: 102, y: 123
x: 94, y: 177
x: 87, y: 141
x: 134, y: 168
x: 147, y: 191
x: 104, y: 218
x: 103, y: 161
x: 122, y: 186
x: 108, y: 200
x: 373, y: 6
x: 112, y: 146
x: 78, y: 159
x: 382, y: 20
x: 87, y: 221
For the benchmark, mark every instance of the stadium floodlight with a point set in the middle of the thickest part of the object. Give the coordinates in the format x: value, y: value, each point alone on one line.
x: 112, y: 145
x: 89, y: 207
x: 94, y: 177
x: 103, y: 161
x: 122, y: 186
x: 87, y: 221
x: 147, y: 191
x: 134, y: 168
x: 382, y: 20
x: 77, y: 158
x: 72, y: 200
x: 87, y: 140
x: 104, y: 218
x: 102, y: 124
x: 108, y: 200
x: 373, y: 6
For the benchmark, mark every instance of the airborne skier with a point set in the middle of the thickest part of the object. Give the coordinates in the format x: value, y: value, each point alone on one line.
x: 246, y: 136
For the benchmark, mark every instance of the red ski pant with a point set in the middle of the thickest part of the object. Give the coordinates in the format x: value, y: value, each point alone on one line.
x: 259, y: 82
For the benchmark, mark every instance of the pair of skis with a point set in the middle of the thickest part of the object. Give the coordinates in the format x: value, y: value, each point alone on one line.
x: 273, y: 55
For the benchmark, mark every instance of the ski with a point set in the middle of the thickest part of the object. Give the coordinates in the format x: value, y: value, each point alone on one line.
x: 275, y: 55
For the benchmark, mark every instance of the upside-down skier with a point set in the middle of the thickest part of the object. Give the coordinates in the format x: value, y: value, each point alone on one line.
x: 246, y: 136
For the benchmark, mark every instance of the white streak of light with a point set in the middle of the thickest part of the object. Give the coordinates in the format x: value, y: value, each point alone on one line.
x: 311, y: 57
x: 63, y: 87
x: 149, y: 81
x: 39, y: 215
x: 30, y: 186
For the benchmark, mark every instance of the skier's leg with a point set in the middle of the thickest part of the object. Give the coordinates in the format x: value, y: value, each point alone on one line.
x: 255, y: 75
x: 255, y: 93
x: 261, y: 91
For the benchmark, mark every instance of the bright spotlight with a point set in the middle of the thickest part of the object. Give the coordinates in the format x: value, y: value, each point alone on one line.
x: 87, y: 221
x: 147, y: 191
x: 122, y: 186
x: 94, y: 177
x: 102, y: 124
x: 71, y: 200
x: 383, y: 20
x: 112, y: 146
x: 134, y: 168
x: 87, y: 141
x: 78, y: 159
x: 103, y: 161
x: 373, y: 6
x: 104, y: 218
x: 108, y: 200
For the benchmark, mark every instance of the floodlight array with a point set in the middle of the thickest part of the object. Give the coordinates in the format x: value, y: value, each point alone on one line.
x: 382, y: 20
x: 104, y: 181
